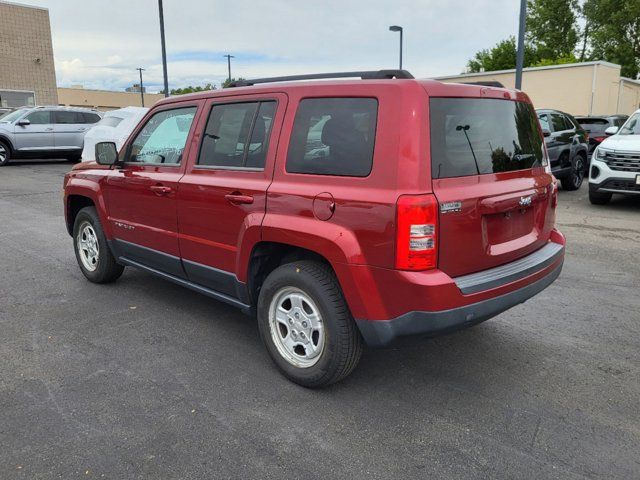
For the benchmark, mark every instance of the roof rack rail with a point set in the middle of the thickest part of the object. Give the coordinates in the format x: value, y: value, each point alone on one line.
x: 489, y: 83
x: 366, y: 75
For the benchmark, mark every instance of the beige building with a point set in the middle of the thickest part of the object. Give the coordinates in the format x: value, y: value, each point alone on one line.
x: 589, y: 88
x: 104, y: 99
x: 27, y: 71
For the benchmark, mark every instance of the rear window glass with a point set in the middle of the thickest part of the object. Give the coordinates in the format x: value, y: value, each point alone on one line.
x: 594, y: 125
x: 473, y: 136
x: 333, y: 136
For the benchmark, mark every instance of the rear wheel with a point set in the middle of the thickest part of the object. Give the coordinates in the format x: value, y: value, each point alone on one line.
x: 573, y: 181
x: 306, y: 325
x: 5, y: 154
x: 599, y: 198
x: 92, y: 251
x: 74, y: 158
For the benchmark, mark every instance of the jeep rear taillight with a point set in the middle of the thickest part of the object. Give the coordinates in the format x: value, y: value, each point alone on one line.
x: 417, y: 230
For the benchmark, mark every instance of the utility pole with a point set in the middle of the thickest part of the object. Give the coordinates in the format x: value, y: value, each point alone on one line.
x: 520, y: 54
x: 164, y: 50
x: 140, y: 69
x: 229, y: 57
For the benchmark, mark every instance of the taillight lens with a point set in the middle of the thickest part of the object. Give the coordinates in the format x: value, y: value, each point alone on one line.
x: 417, y: 232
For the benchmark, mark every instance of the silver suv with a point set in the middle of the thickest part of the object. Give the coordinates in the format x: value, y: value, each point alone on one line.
x: 44, y: 132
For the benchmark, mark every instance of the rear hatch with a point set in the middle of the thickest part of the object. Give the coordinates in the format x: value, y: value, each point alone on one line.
x: 488, y: 174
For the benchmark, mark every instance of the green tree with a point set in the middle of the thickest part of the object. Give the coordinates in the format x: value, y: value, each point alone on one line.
x: 551, y: 27
x: 228, y: 82
x: 190, y: 89
x: 614, y: 33
x: 501, y: 57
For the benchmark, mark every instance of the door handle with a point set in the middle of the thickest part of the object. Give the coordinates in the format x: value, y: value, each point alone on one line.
x: 238, y: 198
x: 48, y: 129
x: 160, y: 190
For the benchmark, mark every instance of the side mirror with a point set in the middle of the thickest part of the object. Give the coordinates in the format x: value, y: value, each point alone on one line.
x: 546, y: 133
x: 106, y: 153
x: 23, y: 123
x: 611, y: 130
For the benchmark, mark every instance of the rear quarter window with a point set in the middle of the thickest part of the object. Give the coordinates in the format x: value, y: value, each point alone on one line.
x: 471, y: 136
x: 333, y: 136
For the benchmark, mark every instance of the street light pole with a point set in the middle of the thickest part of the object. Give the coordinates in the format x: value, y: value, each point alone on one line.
x: 164, y: 50
x: 229, y: 57
x: 397, y: 28
x: 140, y: 69
x: 520, y: 54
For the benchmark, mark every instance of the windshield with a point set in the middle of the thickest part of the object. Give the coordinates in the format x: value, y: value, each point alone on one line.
x: 473, y: 136
x: 10, y: 117
x: 632, y: 126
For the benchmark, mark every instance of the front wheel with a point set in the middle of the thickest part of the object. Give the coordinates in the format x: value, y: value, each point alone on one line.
x: 306, y: 325
x: 573, y: 181
x: 92, y: 251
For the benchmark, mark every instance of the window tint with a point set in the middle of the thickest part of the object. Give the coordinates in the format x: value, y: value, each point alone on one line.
x: 594, y: 125
x: 620, y: 121
x: 333, y: 136
x: 163, y: 137
x: 39, y: 117
x: 67, y: 117
x: 544, y: 122
x: 110, y: 121
x: 91, y: 117
x: 558, y: 122
x: 237, y: 135
x: 476, y: 136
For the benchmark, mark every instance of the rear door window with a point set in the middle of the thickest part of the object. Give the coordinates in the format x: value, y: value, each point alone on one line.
x: 67, y: 117
x: 471, y: 136
x: 558, y: 122
x: 333, y: 136
x: 237, y: 135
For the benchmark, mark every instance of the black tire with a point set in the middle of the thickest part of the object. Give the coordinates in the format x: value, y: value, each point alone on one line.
x: 106, y: 268
x: 74, y: 158
x: 342, y: 341
x: 599, y: 198
x: 573, y: 181
x: 5, y: 154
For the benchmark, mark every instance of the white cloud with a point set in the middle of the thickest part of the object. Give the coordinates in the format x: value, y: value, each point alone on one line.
x: 101, y: 43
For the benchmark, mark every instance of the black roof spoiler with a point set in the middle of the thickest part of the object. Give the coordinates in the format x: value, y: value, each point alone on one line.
x: 489, y: 83
x: 364, y: 75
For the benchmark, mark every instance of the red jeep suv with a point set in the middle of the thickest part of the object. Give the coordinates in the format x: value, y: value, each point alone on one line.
x: 339, y: 212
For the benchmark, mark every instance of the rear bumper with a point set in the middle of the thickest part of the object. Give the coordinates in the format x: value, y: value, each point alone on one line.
x: 432, y: 303
x: 431, y: 324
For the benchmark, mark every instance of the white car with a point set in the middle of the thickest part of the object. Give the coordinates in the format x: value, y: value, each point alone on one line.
x: 115, y: 126
x: 615, y: 164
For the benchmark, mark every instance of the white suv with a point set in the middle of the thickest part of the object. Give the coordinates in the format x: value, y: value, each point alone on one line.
x: 615, y: 164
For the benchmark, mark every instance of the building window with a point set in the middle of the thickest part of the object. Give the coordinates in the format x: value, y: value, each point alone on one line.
x: 14, y: 99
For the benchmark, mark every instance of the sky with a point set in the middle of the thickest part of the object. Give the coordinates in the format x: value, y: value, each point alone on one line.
x: 100, y: 43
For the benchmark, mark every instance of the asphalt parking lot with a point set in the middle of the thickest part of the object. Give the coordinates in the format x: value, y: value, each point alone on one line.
x: 144, y: 379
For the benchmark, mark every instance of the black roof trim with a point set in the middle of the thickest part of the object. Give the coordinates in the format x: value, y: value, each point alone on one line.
x: 365, y: 75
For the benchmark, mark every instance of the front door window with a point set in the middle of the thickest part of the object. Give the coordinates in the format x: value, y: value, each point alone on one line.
x: 162, y: 140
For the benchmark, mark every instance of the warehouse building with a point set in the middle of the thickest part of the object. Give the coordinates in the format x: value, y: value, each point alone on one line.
x: 104, y: 99
x: 27, y: 71
x: 588, y: 88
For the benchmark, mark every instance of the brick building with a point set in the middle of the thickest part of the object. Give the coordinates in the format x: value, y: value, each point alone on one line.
x: 27, y: 71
